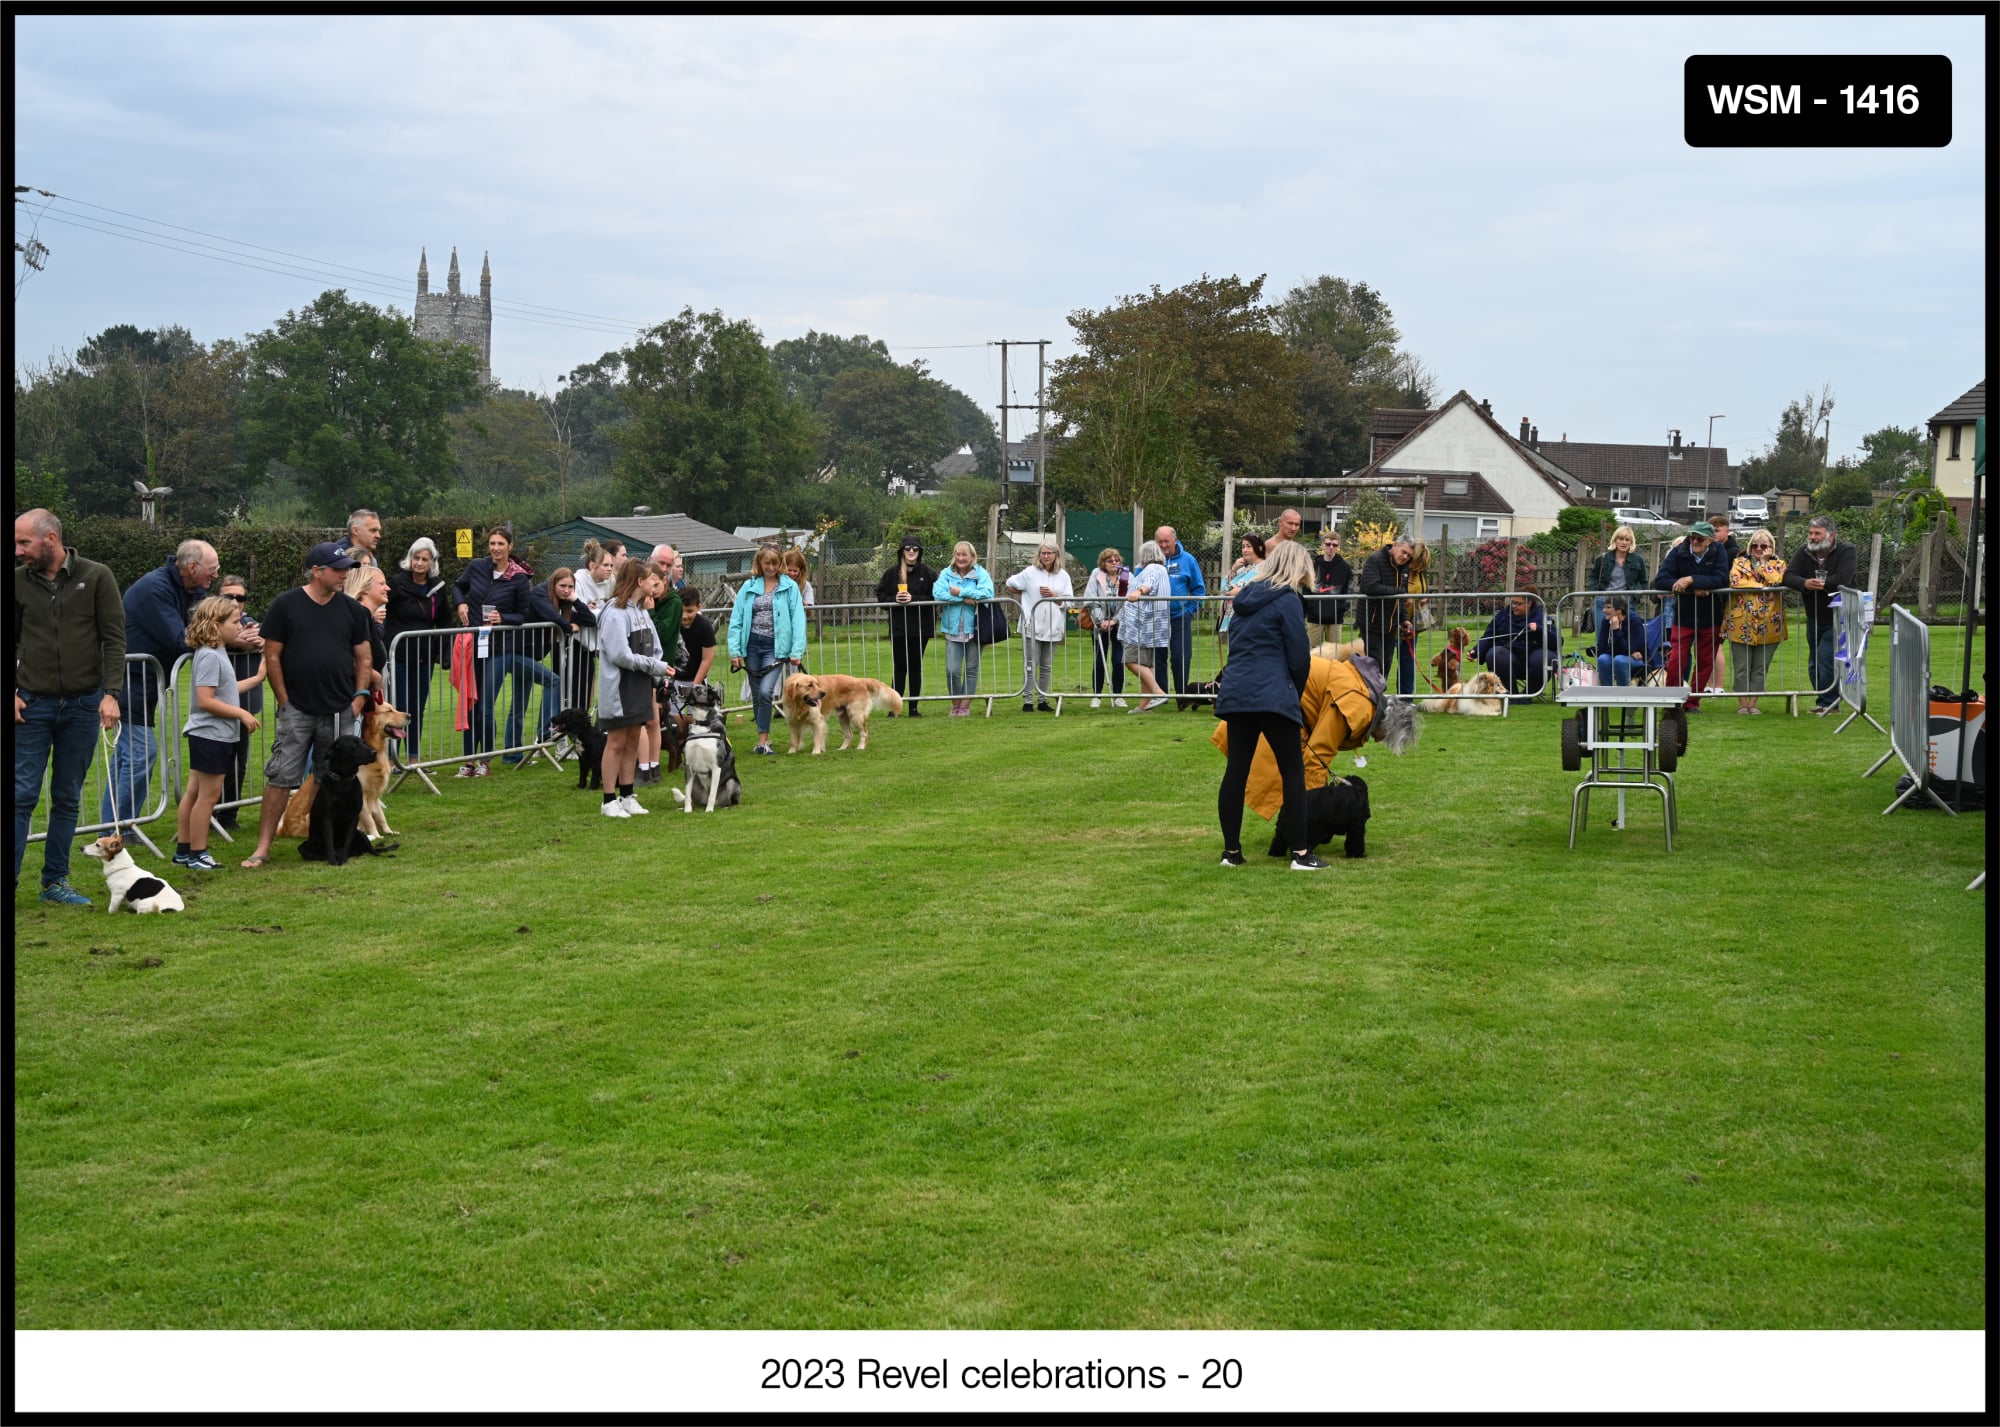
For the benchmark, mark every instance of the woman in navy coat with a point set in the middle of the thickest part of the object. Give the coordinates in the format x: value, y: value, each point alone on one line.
x: 1269, y: 662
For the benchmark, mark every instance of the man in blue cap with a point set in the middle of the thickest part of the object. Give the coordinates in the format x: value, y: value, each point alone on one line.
x: 1694, y: 570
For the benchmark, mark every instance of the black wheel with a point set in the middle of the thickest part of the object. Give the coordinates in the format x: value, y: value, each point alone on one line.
x: 1680, y: 731
x: 1670, y: 740
x: 1572, y: 744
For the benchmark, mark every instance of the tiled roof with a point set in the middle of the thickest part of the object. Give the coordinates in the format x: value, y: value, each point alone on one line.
x: 1565, y: 485
x: 686, y: 534
x: 1603, y: 464
x: 1969, y: 407
x: 1479, y: 495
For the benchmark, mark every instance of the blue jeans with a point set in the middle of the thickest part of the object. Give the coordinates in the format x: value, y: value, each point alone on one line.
x: 1614, y: 670
x: 961, y: 667
x: 1820, y: 639
x: 66, y: 727
x: 411, y: 692
x: 132, y: 771
x: 522, y: 669
x: 1512, y: 665
x: 1180, y: 649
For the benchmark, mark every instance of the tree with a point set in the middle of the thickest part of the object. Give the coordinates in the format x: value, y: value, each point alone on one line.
x: 502, y: 445
x: 1370, y: 508
x: 351, y: 398
x: 1845, y: 487
x: 1350, y: 320
x: 1896, y: 457
x: 1194, y: 377
x: 886, y: 423
x: 810, y: 364
x: 38, y: 486
x: 1796, y: 458
x: 1348, y: 337
x: 712, y: 431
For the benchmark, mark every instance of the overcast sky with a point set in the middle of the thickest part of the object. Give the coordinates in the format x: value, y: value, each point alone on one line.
x: 1517, y: 187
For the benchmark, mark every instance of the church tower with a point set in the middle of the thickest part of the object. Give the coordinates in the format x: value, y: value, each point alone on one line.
x: 455, y: 316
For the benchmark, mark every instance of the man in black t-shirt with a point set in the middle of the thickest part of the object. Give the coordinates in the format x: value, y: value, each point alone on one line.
x: 316, y: 657
x: 698, y: 638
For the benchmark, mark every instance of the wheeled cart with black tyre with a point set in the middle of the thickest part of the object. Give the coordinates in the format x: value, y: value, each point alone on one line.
x: 1614, y: 726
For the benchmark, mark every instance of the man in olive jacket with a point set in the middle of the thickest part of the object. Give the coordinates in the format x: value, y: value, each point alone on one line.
x: 69, y: 660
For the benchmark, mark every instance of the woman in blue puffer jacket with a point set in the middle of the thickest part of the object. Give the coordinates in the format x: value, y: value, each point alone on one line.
x: 958, y: 592
x: 1270, y: 660
x: 767, y: 635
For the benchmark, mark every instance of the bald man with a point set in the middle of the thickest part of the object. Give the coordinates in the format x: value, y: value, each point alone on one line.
x: 1289, y: 521
x: 1184, y: 578
x: 157, y: 606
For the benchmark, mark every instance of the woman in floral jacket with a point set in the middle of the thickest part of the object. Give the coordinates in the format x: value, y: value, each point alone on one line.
x: 1755, y: 624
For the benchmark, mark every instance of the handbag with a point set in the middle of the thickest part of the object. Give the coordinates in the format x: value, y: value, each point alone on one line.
x: 1586, y: 617
x: 1084, y: 622
x: 989, y: 623
x: 1579, y: 673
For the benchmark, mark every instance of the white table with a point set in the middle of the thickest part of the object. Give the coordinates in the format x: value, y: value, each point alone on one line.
x: 1615, y: 723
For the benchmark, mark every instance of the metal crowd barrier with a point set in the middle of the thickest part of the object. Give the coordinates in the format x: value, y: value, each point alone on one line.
x: 447, y: 729
x: 1788, y: 675
x: 1857, y: 616
x: 1910, y: 708
x: 163, y: 787
x: 853, y: 639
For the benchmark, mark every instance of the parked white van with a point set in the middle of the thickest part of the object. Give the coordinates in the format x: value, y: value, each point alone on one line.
x: 1750, y: 509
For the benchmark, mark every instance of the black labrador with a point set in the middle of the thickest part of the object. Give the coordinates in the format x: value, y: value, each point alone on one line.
x: 333, y: 831
x: 1341, y: 807
x: 579, y: 728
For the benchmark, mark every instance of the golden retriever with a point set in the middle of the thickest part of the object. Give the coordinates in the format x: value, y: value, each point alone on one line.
x: 1490, y: 700
x: 375, y: 726
x: 807, y: 697
x: 1340, y: 653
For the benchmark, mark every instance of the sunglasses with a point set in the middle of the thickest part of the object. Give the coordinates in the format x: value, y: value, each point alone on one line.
x: 238, y: 598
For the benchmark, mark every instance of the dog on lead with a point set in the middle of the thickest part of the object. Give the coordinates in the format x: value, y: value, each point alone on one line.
x: 333, y: 830
x: 378, y: 725
x: 133, y: 889
x: 808, y: 697
x: 1197, y: 695
x: 707, y: 760
x: 1448, y: 660
x: 1340, y: 809
x: 579, y: 728
x: 1481, y: 696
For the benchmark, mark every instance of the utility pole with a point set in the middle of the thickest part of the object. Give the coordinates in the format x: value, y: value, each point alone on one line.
x: 1041, y: 420
x: 1707, y: 452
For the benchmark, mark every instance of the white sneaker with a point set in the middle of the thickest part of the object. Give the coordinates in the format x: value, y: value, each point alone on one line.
x: 616, y: 809
x: 1097, y: 703
x: 631, y: 806
x: 1115, y: 703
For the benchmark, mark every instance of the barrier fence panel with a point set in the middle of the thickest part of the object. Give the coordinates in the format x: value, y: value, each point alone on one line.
x: 1909, y: 707
x: 1857, y: 617
x: 1779, y: 669
x: 470, y: 693
x: 854, y: 639
x: 141, y: 766
x: 1092, y: 663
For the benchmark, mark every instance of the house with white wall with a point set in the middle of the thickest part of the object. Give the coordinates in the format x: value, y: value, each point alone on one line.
x: 1478, y: 480
x: 1951, y: 449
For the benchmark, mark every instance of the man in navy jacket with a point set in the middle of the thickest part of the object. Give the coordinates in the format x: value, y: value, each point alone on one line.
x: 1694, y: 570
x: 157, y: 606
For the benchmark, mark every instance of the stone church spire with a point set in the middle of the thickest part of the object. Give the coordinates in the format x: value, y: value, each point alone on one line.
x: 486, y: 277
x: 451, y: 281
x: 423, y: 272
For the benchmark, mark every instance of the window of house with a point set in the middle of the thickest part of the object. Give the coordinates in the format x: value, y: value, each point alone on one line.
x: 1954, y: 443
x: 1697, y: 500
x: 1621, y: 495
x: 1489, y: 527
x: 1454, y: 486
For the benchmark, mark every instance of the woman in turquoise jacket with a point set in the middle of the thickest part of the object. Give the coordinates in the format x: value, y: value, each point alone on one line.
x: 958, y: 592
x: 767, y: 636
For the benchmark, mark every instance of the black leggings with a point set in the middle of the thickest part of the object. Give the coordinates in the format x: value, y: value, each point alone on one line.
x: 908, y: 650
x: 1283, y: 735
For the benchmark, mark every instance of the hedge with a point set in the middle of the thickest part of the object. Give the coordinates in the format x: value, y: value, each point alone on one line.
x: 272, y: 558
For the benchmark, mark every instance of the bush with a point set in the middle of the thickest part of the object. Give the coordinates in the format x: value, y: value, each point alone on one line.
x: 1490, y: 560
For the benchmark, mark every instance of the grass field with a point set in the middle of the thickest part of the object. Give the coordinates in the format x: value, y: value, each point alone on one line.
x: 971, y: 1031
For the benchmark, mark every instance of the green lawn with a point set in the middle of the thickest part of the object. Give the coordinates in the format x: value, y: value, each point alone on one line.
x: 971, y: 1031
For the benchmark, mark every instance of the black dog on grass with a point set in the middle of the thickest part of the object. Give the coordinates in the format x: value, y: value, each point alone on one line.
x: 579, y: 728
x: 333, y: 833
x: 1182, y: 703
x: 1341, y: 807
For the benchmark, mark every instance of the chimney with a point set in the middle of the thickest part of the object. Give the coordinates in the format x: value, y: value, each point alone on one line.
x: 1486, y: 406
x: 1535, y: 437
x: 1524, y: 431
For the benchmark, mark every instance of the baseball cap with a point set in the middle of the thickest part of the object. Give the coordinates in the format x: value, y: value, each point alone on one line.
x: 330, y: 554
x: 1703, y: 529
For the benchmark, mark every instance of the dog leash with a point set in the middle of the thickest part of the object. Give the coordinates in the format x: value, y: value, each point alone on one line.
x: 107, y: 742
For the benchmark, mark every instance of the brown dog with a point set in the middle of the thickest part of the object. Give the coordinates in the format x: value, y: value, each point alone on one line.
x: 375, y: 726
x: 807, y: 697
x: 1489, y: 702
x: 1448, y: 659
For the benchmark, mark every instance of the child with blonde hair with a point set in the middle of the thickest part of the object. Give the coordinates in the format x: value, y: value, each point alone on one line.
x: 213, y: 728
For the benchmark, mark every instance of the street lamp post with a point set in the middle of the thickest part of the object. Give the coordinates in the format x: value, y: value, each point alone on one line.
x: 1705, y: 456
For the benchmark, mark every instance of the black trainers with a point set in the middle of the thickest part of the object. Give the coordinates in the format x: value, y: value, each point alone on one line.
x: 1306, y: 862
x: 1232, y: 859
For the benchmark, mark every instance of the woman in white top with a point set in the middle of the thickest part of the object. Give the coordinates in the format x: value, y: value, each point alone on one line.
x: 594, y: 580
x: 1101, y: 598
x: 1043, y: 587
x: 1144, y: 628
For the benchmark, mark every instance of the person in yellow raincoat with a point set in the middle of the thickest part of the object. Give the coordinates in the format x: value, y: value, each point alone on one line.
x: 1339, y: 706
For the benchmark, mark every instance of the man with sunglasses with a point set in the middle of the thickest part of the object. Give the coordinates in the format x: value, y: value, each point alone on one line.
x: 1332, y: 576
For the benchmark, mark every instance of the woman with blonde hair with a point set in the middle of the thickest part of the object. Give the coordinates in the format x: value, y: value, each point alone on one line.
x: 1619, y: 570
x: 1043, y: 587
x: 1754, y: 625
x: 767, y: 636
x: 367, y: 585
x: 958, y: 592
x: 217, y: 725
x: 1100, y: 594
x: 1270, y: 659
